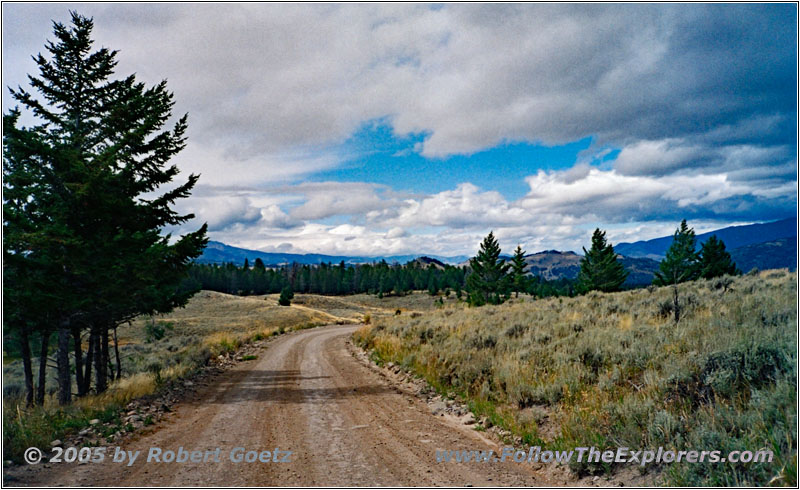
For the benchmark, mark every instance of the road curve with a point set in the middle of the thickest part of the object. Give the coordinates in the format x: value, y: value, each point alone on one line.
x: 344, y: 425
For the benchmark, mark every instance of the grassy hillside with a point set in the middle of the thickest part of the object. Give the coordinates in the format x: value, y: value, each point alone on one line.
x: 615, y: 370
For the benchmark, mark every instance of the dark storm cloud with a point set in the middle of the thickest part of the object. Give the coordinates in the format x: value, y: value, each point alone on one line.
x: 272, y: 78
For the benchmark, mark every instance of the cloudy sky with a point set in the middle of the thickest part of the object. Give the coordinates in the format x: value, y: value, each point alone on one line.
x: 390, y: 129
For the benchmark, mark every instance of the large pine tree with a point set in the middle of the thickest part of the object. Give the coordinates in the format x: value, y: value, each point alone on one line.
x: 86, y: 214
x: 600, y: 269
x: 680, y: 263
x: 715, y: 261
x: 489, y: 281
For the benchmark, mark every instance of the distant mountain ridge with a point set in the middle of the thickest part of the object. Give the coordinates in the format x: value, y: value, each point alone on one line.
x: 774, y: 254
x: 426, y: 261
x: 552, y: 265
x: 220, y: 253
x: 733, y: 236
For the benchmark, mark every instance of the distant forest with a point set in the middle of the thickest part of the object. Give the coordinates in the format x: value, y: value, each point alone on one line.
x: 380, y: 278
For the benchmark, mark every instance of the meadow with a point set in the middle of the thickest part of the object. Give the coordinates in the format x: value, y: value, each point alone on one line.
x: 615, y: 369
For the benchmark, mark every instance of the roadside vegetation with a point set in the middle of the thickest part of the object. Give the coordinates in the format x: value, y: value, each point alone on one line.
x: 615, y: 369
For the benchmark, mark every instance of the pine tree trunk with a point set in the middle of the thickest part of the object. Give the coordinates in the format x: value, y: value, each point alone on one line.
x: 675, y: 305
x: 109, y: 370
x: 76, y: 339
x: 62, y: 363
x: 26, y: 366
x: 116, y: 355
x: 40, y: 390
x: 87, y: 375
x: 101, y: 380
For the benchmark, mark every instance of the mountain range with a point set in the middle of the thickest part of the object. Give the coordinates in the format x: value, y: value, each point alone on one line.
x: 733, y: 236
x: 552, y: 265
x: 220, y: 253
x: 773, y: 254
x: 763, y: 246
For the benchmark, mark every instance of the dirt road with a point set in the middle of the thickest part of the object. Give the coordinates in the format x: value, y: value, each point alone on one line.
x: 343, y: 424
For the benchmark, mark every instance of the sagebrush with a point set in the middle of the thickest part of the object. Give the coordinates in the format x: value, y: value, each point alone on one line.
x: 614, y: 369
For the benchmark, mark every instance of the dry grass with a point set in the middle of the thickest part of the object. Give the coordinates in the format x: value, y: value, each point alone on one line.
x: 615, y: 370
x: 210, y: 312
x: 418, y: 301
x: 210, y: 325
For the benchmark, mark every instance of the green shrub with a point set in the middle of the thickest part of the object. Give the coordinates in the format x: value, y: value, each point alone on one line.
x: 155, y: 368
x: 38, y: 426
x: 155, y: 331
x: 286, y: 296
x: 737, y: 370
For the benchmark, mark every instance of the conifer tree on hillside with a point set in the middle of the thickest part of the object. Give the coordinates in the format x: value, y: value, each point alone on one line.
x: 259, y: 266
x: 521, y: 282
x: 680, y: 263
x: 286, y: 296
x: 600, y: 269
x: 489, y: 281
x: 715, y: 261
x: 432, y: 287
x: 82, y: 213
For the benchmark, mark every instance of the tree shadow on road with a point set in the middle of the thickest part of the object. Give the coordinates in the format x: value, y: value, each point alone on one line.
x: 290, y: 387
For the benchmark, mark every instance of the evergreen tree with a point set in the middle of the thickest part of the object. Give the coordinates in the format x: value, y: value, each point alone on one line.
x: 85, y: 210
x: 680, y: 263
x: 521, y: 282
x: 32, y: 285
x: 286, y: 296
x: 489, y: 281
x: 600, y: 269
x: 432, y: 287
x: 258, y: 265
x: 715, y: 261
